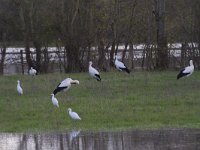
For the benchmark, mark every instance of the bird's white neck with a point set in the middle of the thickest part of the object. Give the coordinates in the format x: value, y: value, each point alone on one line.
x: 191, y: 63
x: 90, y: 67
x: 73, y: 82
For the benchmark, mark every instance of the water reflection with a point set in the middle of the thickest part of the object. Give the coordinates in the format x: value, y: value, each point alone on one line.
x: 73, y: 134
x: 175, y: 139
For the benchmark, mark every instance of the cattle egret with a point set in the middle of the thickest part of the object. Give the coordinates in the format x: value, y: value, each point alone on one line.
x: 73, y: 115
x: 120, y: 66
x: 93, y: 72
x: 32, y: 72
x: 54, y: 100
x: 65, y: 85
x: 19, y: 88
x: 187, y: 71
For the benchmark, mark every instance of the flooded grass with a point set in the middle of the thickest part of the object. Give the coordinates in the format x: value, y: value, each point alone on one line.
x: 140, y: 100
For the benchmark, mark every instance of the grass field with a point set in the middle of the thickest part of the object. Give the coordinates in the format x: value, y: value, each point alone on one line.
x: 139, y: 100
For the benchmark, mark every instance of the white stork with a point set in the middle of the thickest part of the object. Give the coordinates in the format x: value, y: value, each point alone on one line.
x: 65, y: 85
x: 19, y: 88
x: 32, y: 72
x: 187, y: 71
x: 73, y: 115
x: 120, y: 66
x: 93, y: 72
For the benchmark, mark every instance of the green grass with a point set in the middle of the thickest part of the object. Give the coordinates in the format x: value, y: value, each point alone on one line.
x: 139, y: 100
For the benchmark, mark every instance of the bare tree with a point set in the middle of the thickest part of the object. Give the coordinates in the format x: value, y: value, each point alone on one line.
x: 3, y: 52
x: 7, y: 27
x: 79, y: 26
x: 162, y: 50
x: 24, y: 13
x: 68, y: 27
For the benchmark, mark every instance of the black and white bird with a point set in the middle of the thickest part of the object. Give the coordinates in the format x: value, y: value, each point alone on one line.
x: 120, y: 66
x: 19, y: 88
x: 93, y: 72
x: 54, y: 100
x: 73, y: 115
x: 32, y: 72
x: 65, y: 85
x: 187, y: 71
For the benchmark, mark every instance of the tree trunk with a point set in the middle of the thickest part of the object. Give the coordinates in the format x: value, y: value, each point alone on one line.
x: 112, y: 52
x: 28, y: 54
x: 45, y: 63
x: 3, y: 53
x: 26, y: 24
x: 89, y: 53
x: 73, y: 61
x: 38, y: 55
x: 101, y: 54
x: 162, y: 51
x: 131, y: 56
x: 183, y: 54
x: 124, y: 52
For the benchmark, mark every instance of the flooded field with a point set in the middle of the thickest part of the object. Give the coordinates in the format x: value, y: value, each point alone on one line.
x: 172, y: 139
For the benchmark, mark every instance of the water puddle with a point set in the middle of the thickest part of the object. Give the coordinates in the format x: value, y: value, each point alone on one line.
x: 173, y: 139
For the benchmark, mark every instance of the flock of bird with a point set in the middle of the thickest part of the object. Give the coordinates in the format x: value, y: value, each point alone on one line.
x: 66, y: 83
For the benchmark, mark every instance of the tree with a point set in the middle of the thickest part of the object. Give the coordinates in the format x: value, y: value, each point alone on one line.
x: 162, y: 50
x: 3, y: 47
x: 8, y: 28
x: 68, y: 28
x: 24, y: 13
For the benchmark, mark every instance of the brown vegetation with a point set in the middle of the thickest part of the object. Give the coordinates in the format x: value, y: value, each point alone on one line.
x: 78, y: 26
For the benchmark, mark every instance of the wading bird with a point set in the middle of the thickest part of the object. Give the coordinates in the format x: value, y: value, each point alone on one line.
x: 93, y: 72
x: 65, y: 85
x: 19, y: 88
x: 187, y: 71
x: 54, y: 100
x: 120, y: 66
x: 73, y: 115
x: 32, y: 72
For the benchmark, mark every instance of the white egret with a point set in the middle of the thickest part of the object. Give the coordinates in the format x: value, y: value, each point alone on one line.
x: 73, y: 115
x: 54, y: 100
x: 19, y: 88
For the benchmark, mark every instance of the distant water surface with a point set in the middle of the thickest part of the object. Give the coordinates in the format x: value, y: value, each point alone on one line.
x: 167, y: 139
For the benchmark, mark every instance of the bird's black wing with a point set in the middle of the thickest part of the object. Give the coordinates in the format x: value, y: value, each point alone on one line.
x: 58, y: 89
x: 181, y: 74
x: 98, y: 77
x: 125, y: 69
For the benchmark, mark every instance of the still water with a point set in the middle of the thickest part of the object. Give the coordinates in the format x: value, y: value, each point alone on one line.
x: 172, y: 139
